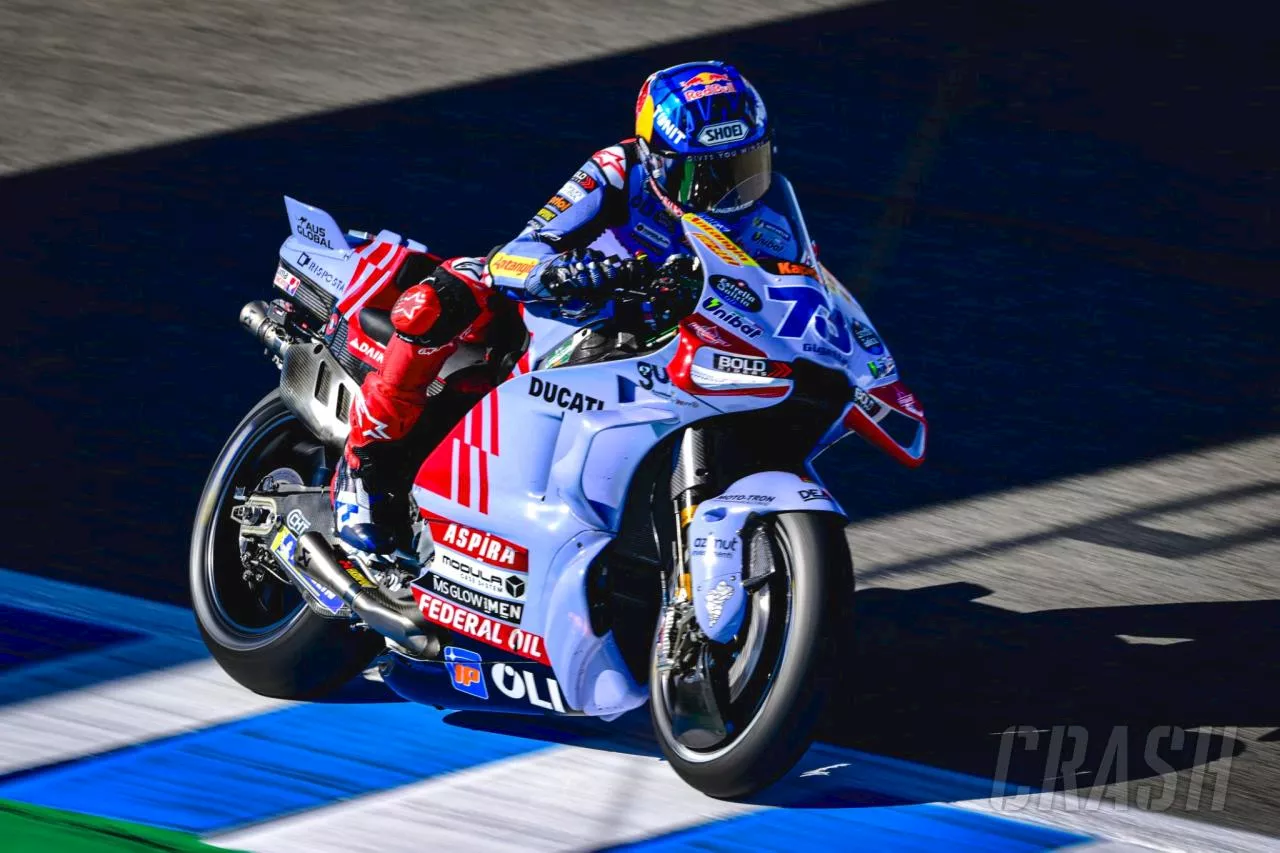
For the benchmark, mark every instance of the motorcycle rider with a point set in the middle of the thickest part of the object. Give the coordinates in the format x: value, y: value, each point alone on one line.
x: 703, y: 145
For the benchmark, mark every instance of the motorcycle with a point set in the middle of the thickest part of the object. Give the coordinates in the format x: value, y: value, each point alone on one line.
x: 630, y: 514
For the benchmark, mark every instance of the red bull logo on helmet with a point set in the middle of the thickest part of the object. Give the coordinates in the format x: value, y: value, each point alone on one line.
x: 705, y: 84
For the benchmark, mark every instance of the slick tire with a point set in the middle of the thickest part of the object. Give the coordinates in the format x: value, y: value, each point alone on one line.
x: 821, y: 586
x: 304, y: 655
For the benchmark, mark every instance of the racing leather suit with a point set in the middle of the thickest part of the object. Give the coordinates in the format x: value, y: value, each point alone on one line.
x: 609, y: 205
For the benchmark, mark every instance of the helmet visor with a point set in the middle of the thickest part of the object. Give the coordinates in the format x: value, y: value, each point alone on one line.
x: 718, y: 183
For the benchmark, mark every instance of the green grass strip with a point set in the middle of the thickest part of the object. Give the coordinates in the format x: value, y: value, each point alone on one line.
x: 31, y: 829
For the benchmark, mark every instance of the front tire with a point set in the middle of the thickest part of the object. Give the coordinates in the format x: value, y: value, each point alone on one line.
x: 271, y: 642
x: 816, y: 588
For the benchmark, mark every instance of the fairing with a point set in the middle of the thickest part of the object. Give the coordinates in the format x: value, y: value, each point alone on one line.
x: 717, y: 545
x: 528, y: 489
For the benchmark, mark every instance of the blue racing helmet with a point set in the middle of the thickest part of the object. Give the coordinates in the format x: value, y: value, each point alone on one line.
x: 707, y: 138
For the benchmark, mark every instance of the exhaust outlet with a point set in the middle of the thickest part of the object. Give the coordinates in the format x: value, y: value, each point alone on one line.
x: 254, y: 319
x: 400, y: 622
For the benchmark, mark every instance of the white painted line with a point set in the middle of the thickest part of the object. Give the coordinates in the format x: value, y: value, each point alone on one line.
x: 95, y: 606
x: 565, y: 798
x: 120, y: 713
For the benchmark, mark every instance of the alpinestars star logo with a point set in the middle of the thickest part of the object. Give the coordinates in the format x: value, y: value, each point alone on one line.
x: 369, y: 426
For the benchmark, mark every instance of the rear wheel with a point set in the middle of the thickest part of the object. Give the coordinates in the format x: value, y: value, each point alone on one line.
x: 769, y: 684
x: 263, y: 634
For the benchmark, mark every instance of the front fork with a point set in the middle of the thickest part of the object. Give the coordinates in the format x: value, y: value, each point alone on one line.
x: 691, y: 483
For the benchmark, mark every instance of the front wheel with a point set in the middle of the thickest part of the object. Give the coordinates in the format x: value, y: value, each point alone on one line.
x: 765, y: 689
x: 263, y: 634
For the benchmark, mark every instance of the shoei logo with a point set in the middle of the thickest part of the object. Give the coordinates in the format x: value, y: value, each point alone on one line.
x: 723, y: 133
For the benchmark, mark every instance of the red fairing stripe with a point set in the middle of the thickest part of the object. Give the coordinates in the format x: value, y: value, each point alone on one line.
x: 372, y: 271
x: 897, y: 397
x: 447, y: 470
x: 697, y: 331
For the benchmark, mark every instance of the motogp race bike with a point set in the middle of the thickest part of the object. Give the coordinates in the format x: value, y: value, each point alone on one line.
x: 631, y: 515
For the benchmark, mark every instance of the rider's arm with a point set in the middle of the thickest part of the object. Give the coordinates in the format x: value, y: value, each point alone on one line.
x: 589, y: 202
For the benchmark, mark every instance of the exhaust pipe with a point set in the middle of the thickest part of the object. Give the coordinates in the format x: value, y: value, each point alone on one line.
x: 400, y: 622
x: 269, y: 333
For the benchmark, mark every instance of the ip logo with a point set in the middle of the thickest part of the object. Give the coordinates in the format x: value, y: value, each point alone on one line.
x: 465, y: 672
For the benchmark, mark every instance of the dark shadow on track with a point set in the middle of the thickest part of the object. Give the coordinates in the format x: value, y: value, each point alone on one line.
x: 1060, y: 214
x: 984, y: 701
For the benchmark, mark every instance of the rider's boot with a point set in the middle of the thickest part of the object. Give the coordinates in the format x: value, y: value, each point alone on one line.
x: 363, y: 510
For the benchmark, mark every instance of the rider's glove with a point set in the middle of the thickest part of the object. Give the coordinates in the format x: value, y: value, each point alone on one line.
x: 583, y: 272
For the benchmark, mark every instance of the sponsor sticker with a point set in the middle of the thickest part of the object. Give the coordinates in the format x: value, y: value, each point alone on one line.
x: 721, y: 547
x: 704, y: 85
x: 720, y: 245
x: 723, y: 133
x: 769, y: 242
x: 367, y: 348
x: 507, y: 611
x: 865, y: 402
x: 311, y: 267
x: 707, y: 331
x: 814, y: 494
x: 522, y: 684
x: 736, y: 292
x: 477, y: 626
x: 480, y: 545
x: 297, y: 522
x: 674, y: 133
x: 585, y: 181
x: 653, y: 235
x: 776, y: 230
x: 746, y: 365
x: 563, y: 396
x: 560, y: 203
x: 465, y: 672
x: 793, y: 268
x: 285, y: 546
x: 458, y: 568
x: 315, y: 233
x: 286, y: 281
x: 716, y: 598
x: 511, y: 266
x: 546, y: 214
x: 572, y: 192
x: 867, y: 338
x: 882, y: 366
x: 716, y: 308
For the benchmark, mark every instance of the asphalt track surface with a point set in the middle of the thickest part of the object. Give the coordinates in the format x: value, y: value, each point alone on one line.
x: 1061, y: 216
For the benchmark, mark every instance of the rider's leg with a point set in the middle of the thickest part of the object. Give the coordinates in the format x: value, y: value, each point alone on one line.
x: 428, y: 318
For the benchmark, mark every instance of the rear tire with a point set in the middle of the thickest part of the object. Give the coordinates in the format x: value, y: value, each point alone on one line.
x: 818, y: 565
x: 300, y: 654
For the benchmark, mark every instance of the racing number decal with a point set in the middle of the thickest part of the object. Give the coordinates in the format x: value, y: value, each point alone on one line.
x: 809, y: 306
